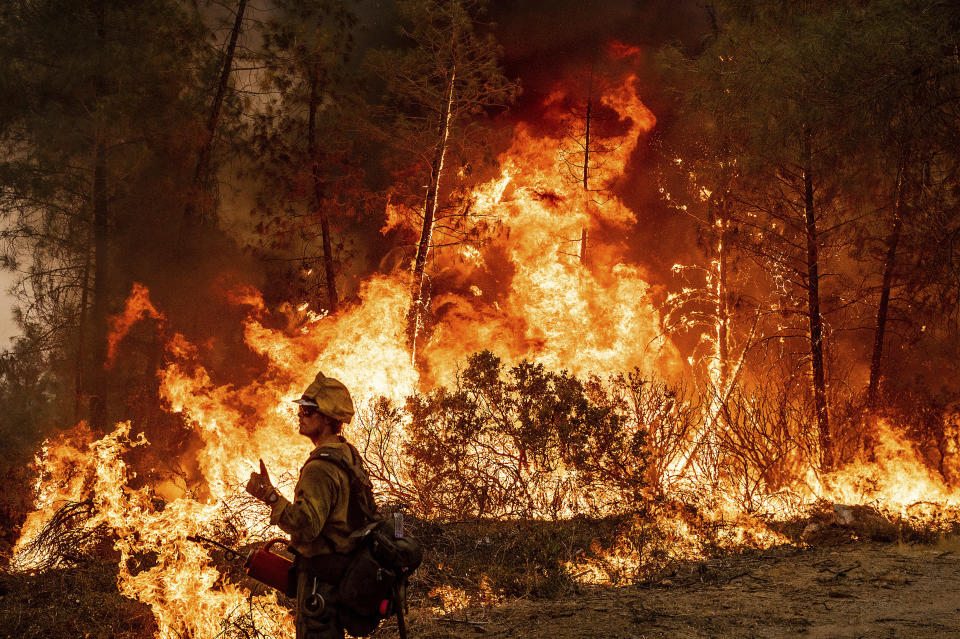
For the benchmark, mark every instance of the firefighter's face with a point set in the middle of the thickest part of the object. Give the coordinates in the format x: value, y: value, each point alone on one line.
x: 310, y: 420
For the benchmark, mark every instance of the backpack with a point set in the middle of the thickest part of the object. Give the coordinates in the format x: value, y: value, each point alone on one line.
x: 373, y: 585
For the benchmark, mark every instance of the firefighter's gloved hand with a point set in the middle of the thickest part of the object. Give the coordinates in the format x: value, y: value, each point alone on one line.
x: 260, y: 487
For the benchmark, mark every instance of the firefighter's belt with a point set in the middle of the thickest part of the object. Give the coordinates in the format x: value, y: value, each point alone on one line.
x: 328, y: 567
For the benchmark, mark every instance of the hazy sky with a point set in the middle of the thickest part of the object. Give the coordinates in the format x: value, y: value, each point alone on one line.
x: 7, y: 327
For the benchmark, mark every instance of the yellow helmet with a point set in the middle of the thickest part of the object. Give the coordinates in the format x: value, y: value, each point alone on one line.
x: 330, y: 397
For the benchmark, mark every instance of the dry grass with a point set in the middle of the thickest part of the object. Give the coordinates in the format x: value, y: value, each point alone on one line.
x: 78, y: 601
x: 472, y: 568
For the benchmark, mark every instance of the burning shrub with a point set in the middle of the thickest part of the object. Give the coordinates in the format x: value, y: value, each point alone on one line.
x: 522, y: 442
x: 381, y: 427
x: 668, y: 415
x: 67, y: 539
x: 759, y: 444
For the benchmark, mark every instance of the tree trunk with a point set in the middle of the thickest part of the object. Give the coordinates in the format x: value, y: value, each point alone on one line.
x: 80, y: 381
x: 318, y: 195
x: 101, y: 288
x: 879, y: 332
x: 718, y: 372
x: 723, y: 310
x: 98, y: 402
x: 813, y: 311
x: 193, y: 213
x: 708, y: 432
x: 586, y: 181
x: 415, y: 315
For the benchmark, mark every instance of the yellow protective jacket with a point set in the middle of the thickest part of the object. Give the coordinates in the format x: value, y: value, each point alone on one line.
x: 316, y: 519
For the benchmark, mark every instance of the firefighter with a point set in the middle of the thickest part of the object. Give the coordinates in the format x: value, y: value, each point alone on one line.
x: 316, y: 519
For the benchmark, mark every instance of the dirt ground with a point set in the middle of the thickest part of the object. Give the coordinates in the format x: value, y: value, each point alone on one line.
x: 869, y: 590
x: 865, y: 590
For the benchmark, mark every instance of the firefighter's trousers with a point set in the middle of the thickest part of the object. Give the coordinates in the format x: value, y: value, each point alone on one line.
x: 316, y: 609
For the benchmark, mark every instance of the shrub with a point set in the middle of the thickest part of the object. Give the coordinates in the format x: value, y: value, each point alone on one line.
x: 523, y: 442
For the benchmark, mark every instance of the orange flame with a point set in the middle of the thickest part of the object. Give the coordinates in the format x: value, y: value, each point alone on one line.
x: 522, y: 293
x: 619, y: 50
x: 138, y: 307
x: 554, y: 309
x: 899, y: 479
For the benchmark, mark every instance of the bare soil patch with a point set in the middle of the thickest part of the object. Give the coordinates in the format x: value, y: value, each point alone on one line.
x: 855, y: 590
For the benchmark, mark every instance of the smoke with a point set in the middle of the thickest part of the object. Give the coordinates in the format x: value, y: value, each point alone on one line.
x: 545, y: 42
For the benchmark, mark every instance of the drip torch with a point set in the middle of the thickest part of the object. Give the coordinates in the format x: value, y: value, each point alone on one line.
x: 261, y: 564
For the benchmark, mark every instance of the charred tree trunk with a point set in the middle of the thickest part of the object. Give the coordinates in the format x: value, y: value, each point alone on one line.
x: 719, y: 225
x: 80, y: 382
x: 333, y: 301
x: 813, y: 312
x: 879, y: 333
x: 586, y: 181
x: 417, y: 305
x: 101, y: 288
x: 194, y: 212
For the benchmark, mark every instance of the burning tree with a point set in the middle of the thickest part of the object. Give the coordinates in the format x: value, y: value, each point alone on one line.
x: 583, y: 155
x: 201, y: 208
x: 802, y: 184
x: 783, y: 125
x: 593, y: 132
x: 903, y: 144
x: 448, y: 75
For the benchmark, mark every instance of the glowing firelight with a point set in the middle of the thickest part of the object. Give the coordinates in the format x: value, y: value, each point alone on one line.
x: 593, y: 317
x: 557, y: 311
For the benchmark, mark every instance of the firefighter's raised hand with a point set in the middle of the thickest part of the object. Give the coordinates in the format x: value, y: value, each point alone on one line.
x: 260, y: 487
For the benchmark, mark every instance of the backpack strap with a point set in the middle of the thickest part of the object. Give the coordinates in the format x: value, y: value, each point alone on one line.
x: 361, y: 489
x: 401, y: 623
